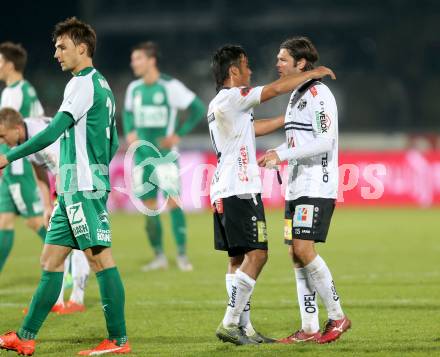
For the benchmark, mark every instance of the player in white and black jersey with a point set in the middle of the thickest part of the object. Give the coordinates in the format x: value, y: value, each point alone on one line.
x: 311, y: 148
x: 239, y: 220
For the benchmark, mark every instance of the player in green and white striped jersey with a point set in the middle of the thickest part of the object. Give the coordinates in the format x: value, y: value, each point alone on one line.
x: 150, y: 114
x: 86, y: 121
x: 18, y: 188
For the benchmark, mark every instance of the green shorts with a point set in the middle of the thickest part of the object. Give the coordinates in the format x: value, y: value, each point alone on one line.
x: 149, y: 179
x: 20, y: 195
x: 80, y: 221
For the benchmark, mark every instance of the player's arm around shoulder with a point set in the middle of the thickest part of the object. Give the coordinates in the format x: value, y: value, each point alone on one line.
x: 290, y: 82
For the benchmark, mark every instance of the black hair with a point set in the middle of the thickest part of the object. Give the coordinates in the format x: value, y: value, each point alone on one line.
x: 301, y: 47
x: 225, y: 57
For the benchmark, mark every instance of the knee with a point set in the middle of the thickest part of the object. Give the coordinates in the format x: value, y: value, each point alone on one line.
x: 259, y: 257
x: 235, y: 262
x: 34, y: 223
x: 302, y: 254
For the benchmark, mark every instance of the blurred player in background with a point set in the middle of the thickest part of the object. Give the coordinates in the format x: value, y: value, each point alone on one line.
x: 311, y: 148
x: 239, y: 219
x: 14, y: 130
x: 150, y: 114
x: 80, y: 220
x: 19, y: 193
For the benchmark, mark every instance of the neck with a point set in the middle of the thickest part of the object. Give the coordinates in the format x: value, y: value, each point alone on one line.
x: 87, y: 62
x: 151, y: 76
x: 14, y: 77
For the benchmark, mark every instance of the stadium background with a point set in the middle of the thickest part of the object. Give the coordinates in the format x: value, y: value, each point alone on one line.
x: 384, y: 257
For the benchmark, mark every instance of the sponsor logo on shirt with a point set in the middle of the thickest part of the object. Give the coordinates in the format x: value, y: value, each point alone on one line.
x: 243, y: 162
x: 323, y: 121
x: 103, y: 235
x: 324, y: 165
x: 314, y: 91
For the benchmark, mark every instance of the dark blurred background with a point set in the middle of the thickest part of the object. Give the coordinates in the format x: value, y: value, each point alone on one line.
x: 386, y: 53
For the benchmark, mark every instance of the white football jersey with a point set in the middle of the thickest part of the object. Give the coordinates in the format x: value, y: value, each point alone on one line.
x: 49, y: 156
x: 231, y: 127
x: 314, y: 115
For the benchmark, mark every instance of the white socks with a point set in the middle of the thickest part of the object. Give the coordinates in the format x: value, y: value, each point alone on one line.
x: 60, y: 300
x: 307, y: 300
x: 241, y: 289
x: 321, y: 279
x: 245, y: 317
x: 80, y: 274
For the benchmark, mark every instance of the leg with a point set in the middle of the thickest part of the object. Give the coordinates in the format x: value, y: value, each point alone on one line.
x: 178, y: 224
x: 52, y: 262
x: 37, y: 225
x: 112, y: 291
x: 7, y: 221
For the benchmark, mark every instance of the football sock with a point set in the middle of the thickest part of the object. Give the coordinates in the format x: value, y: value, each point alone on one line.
x: 307, y: 300
x: 245, y: 317
x: 242, y: 287
x: 113, y: 301
x: 325, y: 286
x: 44, y: 298
x: 60, y: 300
x: 80, y: 274
x: 179, y: 229
x: 153, y: 227
x: 42, y: 233
x: 6, y: 242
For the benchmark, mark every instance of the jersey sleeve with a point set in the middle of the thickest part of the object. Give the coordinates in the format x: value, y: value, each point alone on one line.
x: 324, y: 112
x: 78, y: 97
x: 12, y: 99
x: 245, y: 98
x: 179, y: 96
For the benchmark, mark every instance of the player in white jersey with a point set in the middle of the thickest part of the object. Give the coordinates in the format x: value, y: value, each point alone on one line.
x: 15, y: 130
x: 239, y: 220
x: 311, y: 148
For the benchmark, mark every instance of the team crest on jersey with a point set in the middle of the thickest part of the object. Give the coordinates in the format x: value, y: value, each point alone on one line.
x: 302, y: 104
x: 303, y: 216
x: 245, y: 91
x: 158, y: 98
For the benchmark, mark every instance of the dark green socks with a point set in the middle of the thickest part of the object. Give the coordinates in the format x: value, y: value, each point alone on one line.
x: 6, y: 242
x: 113, y: 302
x: 179, y: 229
x: 153, y: 226
x: 44, y: 298
x: 42, y: 233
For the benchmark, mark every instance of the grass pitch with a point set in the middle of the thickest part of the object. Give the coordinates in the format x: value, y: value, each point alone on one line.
x: 385, y: 263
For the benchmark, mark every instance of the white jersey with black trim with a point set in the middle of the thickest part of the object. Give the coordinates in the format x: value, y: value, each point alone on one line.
x: 314, y: 115
x: 49, y: 156
x: 231, y: 127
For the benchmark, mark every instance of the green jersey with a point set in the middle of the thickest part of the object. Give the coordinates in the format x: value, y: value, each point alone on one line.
x: 88, y: 146
x: 151, y: 110
x: 22, y: 97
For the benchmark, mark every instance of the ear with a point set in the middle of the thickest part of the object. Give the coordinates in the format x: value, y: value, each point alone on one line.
x: 82, y: 48
x: 301, y: 64
x: 234, y: 71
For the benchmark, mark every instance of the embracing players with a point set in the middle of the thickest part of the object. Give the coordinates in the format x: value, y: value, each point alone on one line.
x: 239, y: 220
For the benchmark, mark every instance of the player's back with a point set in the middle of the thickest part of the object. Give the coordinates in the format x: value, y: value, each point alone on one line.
x: 231, y: 128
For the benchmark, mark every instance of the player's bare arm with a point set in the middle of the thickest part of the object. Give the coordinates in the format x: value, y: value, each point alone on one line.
x: 290, y: 82
x: 44, y: 186
x: 267, y: 126
x: 3, y: 162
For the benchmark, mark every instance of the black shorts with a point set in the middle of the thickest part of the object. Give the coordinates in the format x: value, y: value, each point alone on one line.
x: 239, y: 225
x: 308, y: 218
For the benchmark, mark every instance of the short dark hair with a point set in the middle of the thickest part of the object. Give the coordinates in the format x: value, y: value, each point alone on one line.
x: 150, y: 48
x: 10, y: 117
x: 225, y: 57
x: 15, y: 53
x: 301, y: 47
x: 78, y: 31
